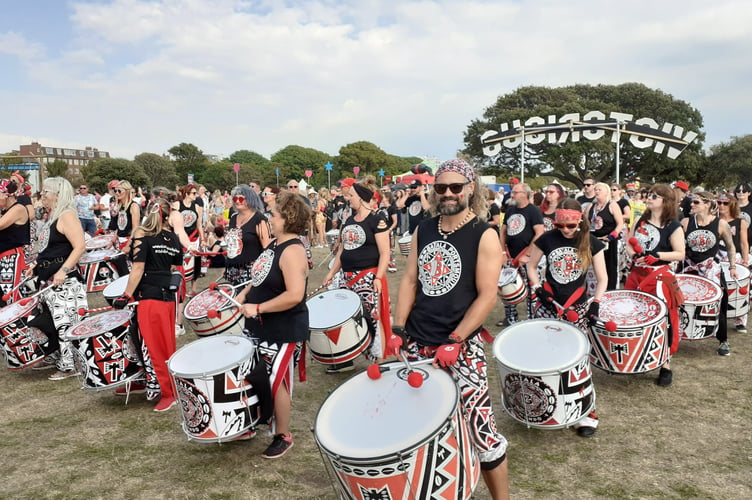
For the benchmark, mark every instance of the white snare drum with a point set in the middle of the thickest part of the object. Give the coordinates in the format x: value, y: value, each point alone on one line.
x: 701, y: 308
x: 339, y: 331
x: 640, y: 342
x: 101, y: 241
x: 217, y: 403
x: 97, y: 268
x: 332, y: 237
x: 546, y: 380
x: 512, y: 287
x: 104, y: 352
x: 385, y: 436
x: 738, y: 290
x: 115, y: 289
x: 189, y: 263
x: 404, y: 244
x: 22, y: 345
x: 228, y: 317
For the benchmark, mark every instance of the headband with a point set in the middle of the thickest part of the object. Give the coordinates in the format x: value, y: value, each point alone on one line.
x: 568, y: 214
x: 364, y: 193
x: 458, y: 166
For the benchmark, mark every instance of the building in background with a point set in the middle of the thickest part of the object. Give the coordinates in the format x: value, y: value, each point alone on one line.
x: 75, y: 158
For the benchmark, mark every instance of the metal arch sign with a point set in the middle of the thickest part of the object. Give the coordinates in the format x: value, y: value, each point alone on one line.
x: 643, y: 133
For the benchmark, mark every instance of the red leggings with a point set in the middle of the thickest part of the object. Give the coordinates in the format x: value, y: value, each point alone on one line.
x: 156, y: 322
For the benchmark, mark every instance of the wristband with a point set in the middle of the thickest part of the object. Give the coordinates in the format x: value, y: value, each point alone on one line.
x: 65, y: 269
x: 455, y: 339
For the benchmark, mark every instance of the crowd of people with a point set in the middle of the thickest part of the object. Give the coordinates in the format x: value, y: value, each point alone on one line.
x: 570, y: 248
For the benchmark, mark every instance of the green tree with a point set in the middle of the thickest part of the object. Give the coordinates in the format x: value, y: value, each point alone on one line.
x: 245, y: 156
x: 189, y: 159
x: 98, y: 173
x: 159, y: 170
x: 57, y: 168
x: 366, y: 155
x: 729, y: 163
x: 295, y: 160
x: 576, y: 161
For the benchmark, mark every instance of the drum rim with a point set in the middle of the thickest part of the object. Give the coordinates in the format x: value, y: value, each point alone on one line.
x: 228, y: 304
x: 410, y: 447
x: 86, y: 258
x: 726, y: 267
x: 717, y: 297
x: 349, y: 318
x: 205, y: 340
x: 24, y: 312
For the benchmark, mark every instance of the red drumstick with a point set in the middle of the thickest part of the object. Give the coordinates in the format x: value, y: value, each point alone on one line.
x: 208, y: 254
x: 6, y: 296
x: 82, y: 311
x: 570, y: 313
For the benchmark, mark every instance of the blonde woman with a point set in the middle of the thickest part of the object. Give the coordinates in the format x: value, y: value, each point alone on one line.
x: 320, y: 218
x: 607, y: 223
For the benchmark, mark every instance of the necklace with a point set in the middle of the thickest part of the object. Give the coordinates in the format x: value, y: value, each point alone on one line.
x: 464, y: 221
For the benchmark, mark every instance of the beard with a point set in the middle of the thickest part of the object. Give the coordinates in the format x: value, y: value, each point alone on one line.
x: 451, y: 209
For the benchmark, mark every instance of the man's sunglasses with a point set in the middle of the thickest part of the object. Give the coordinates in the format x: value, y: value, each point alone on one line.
x: 455, y: 187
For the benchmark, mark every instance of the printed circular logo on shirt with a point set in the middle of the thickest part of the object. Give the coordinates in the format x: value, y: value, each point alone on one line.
x: 596, y: 223
x: 122, y: 220
x: 353, y: 236
x: 648, y: 237
x: 262, y: 266
x: 701, y: 240
x: 234, y: 241
x: 548, y: 224
x: 44, y: 237
x: 415, y: 208
x: 516, y: 224
x: 439, y: 268
x: 189, y: 218
x: 564, y: 265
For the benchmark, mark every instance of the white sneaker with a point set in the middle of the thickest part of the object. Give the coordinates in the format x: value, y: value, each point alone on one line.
x: 179, y: 330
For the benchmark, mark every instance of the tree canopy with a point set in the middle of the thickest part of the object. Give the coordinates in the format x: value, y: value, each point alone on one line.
x: 729, y: 163
x: 576, y: 161
x: 159, y: 170
x: 101, y: 171
x: 189, y: 159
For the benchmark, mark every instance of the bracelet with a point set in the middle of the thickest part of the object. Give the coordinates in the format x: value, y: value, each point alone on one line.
x: 65, y: 269
x: 455, y: 339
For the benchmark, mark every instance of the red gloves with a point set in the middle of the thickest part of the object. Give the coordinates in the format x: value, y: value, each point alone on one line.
x: 447, y: 354
x: 393, y: 344
x: 650, y: 260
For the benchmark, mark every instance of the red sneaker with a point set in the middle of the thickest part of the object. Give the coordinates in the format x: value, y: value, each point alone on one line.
x: 165, y: 403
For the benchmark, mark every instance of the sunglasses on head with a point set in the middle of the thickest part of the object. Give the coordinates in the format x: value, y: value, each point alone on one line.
x: 455, y: 187
x: 238, y: 198
x: 569, y: 225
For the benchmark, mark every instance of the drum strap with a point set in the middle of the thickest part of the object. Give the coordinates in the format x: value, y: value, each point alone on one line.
x: 516, y: 260
x: 571, y: 300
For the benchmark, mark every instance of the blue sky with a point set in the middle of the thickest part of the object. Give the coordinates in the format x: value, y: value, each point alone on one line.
x: 129, y: 76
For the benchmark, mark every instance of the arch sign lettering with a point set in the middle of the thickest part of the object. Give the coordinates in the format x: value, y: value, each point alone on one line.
x: 643, y: 133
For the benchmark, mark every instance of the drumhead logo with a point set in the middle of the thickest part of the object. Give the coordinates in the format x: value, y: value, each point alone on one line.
x: 701, y: 240
x: 262, y: 266
x: 548, y: 224
x: 439, y: 268
x: 516, y: 224
x: 528, y: 398
x: 564, y: 265
x: 648, y: 237
x: 353, y: 236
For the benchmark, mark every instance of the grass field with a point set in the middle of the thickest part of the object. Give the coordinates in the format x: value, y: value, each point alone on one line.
x: 692, y: 440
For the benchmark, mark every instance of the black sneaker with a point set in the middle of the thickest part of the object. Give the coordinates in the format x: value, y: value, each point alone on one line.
x: 279, y: 446
x: 741, y: 328
x: 587, y: 426
x: 347, y: 366
x: 665, y: 378
x: 724, y: 349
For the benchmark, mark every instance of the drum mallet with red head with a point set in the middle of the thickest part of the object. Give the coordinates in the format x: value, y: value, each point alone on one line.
x: 414, y: 378
x: 6, y: 296
x: 82, y: 311
x: 213, y: 286
x: 570, y: 314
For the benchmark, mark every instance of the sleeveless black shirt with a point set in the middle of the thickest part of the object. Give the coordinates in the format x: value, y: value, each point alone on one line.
x: 702, y: 241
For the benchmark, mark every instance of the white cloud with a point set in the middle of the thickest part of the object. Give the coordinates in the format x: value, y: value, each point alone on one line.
x: 406, y: 75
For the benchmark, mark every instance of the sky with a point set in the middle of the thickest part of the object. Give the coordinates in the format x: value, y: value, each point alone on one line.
x: 133, y: 76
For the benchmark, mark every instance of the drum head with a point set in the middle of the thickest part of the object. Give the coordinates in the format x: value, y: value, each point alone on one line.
x: 101, y: 241
x: 742, y: 273
x: 97, y: 255
x: 331, y: 308
x: 698, y: 290
x: 630, y: 307
x: 17, y: 310
x: 100, y: 323
x: 198, y: 306
x: 364, y: 418
x: 116, y: 288
x: 210, y: 355
x: 508, y: 275
x: 540, y: 346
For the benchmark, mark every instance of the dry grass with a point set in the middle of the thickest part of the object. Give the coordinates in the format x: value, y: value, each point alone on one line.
x: 692, y: 440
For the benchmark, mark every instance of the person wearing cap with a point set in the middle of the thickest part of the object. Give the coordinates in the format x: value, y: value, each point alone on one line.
x: 415, y: 204
x: 685, y: 202
x: 448, y: 290
x: 507, y: 199
x: 85, y: 205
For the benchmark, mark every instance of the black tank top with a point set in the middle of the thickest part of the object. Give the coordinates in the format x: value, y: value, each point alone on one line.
x: 268, y: 282
x: 601, y: 222
x: 15, y: 235
x: 736, y: 226
x: 54, y: 248
x: 158, y: 253
x: 446, y: 280
x: 243, y: 244
x: 122, y: 222
x: 702, y: 241
x: 190, y: 218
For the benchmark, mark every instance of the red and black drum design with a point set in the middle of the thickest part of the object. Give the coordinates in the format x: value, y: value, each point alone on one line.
x: 738, y: 290
x: 22, y: 345
x: 104, y: 352
x: 640, y: 342
x: 227, y: 317
x: 98, y: 269
x: 701, y: 308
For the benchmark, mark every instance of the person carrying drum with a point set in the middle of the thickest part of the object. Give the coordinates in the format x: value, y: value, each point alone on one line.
x: 661, y: 238
x: 127, y: 217
x: 156, y: 253
x: 569, y: 250
x: 728, y: 210
x: 247, y: 235
x: 191, y: 208
x: 277, y: 315
x: 447, y: 292
x: 363, y: 257
x: 14, y: 235
x: 704, y: 230
x: 523, y: 224
x: 61, y: 245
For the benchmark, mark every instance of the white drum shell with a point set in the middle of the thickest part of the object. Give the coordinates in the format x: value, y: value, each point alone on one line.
x: 738, y: 290
x: 701, y: 309
x: 337, y: 324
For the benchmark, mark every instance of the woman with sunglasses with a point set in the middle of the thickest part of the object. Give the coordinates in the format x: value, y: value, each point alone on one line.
x: 269, y: 197
x: 661, y: 239
x: 247, y: 234
x: 606, y: 224
x: 553, y: 196
x: 363, y: 257
x: 728, y: 210
x: 742, y: 194
x: 704, y: 230
x: 14, y: 236
x: 191, y: 208
x: 569, y: 249
x: 127, y: 215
